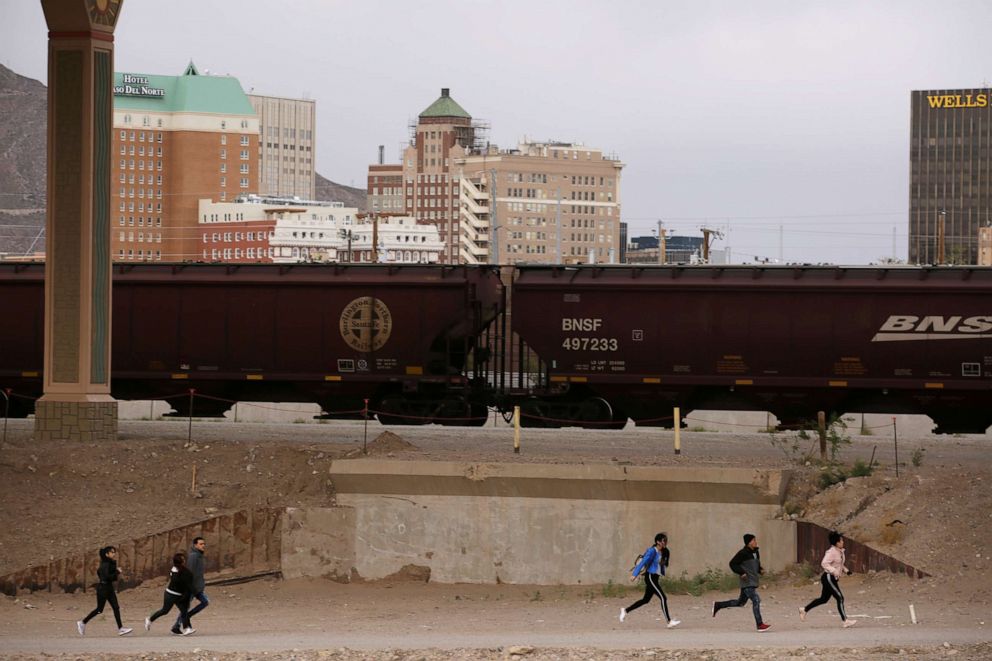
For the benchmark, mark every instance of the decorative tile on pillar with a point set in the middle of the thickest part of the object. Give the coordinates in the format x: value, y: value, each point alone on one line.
x: 75, y: 421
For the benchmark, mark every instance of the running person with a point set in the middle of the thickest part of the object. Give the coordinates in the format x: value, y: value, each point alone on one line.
x: 107, y: 573
x: 833, y: 568
x: 177, y: 593
x: 654, y: 561
x: 195, y: 565
x: 747, y: 565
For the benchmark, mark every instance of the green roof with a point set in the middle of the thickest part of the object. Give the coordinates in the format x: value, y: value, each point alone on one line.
x: 189, y: 92
x: 445, y: 106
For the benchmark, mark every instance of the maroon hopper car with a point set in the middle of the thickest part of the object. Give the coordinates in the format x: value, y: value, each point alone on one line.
x: 397, y: 335
x: 635, y: 341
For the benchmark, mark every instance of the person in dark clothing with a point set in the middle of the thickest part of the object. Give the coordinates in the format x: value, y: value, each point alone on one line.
x: 833, y: 568
x: 195, y: 566
x: 177, y: 593
x: 108, y: 572
x: 653, y: 562
x: 747, y: 565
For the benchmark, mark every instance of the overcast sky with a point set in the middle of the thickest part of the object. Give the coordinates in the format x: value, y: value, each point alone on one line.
x: 747, y: 115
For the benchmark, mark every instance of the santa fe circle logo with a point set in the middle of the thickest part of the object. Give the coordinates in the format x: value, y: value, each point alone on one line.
x: 366, y: 324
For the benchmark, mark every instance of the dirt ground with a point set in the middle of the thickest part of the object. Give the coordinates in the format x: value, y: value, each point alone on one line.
x: 59, y: 499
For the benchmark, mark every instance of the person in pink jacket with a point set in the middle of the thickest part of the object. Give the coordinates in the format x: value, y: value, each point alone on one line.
x: 833, y: 569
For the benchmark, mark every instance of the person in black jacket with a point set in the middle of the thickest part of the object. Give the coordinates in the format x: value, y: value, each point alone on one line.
x: 747, y: 565
x: 107, y: 573
x: 177, y: 593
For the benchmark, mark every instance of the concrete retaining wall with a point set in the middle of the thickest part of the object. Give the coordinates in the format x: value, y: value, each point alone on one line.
x: 534, y: 524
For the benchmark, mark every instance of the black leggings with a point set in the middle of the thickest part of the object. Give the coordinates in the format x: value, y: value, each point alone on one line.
x: 831, y: 588
x: 103, y: 595
x: 652, y: 587
x: 180, y: 601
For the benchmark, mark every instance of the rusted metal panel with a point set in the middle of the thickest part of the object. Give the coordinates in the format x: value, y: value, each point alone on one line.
x: 241, y: 539
x: 812, y: 542
x: 266, y: 539
x: 225, y: 541
x: 209, y: 532
x: 245, y: 542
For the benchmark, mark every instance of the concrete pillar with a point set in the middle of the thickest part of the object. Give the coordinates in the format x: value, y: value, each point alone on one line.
x: 77, y: 404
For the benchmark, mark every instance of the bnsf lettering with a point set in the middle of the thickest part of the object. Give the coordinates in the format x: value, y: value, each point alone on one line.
x: 583, y: 324
x: 912, y: 323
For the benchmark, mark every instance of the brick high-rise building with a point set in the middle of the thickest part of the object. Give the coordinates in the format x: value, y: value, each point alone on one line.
x: 950, y: 185
x: 176, y: 140
x: 553, y: 201
x: 444, y: 131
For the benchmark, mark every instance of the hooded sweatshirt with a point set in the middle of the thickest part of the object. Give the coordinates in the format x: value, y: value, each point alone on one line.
x: 107, y: 573
x: 833, y: 562
x: 747, y: 562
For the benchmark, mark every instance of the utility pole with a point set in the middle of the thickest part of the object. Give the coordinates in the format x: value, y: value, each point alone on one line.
x: 940, y: 237
x: 781, y: 240
x: 893, y: 245
x: 375, y: 238
x: 494, y: 240
x: 662, y: 244
x: 558, y: 226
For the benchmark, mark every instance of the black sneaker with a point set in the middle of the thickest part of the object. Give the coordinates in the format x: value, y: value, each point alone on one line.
x: 177, y: 631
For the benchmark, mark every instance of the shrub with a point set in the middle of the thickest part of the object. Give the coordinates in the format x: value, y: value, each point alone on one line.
x: 861, y: 469
x: 917, y: 457
x: 832, y: 475
x: 711, y: 579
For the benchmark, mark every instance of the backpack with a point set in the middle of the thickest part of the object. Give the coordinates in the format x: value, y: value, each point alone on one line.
x: 637, y: 561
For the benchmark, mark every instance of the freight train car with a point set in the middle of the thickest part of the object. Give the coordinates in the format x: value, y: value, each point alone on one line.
x: 397, y: 335
x: 626, y: 341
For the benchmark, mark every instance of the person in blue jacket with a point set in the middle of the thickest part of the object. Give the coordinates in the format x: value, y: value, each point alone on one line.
x: 654, y: 561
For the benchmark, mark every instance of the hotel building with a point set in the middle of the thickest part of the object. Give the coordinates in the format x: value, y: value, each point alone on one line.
x: 176, y: 140
x: 950, y: 185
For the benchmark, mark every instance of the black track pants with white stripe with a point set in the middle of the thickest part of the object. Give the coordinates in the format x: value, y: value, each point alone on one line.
x: 831, y: 588
x: 652, y: 587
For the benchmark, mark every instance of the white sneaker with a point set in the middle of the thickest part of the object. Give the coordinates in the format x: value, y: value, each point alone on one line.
x: 623, y: 616
x: 123, y: 631
x: 849, y: 623
x: 189, y: 632
x: 674, y: 623
x: 802, y: 614
x: 81, y: 627
x: 148, y: 624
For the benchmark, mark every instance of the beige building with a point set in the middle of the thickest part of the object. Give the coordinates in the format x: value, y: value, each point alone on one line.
x: 554, y: 202
x: 286, y: 145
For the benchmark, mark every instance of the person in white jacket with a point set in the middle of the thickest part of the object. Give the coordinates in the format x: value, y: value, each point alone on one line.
x: 833, y: 569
